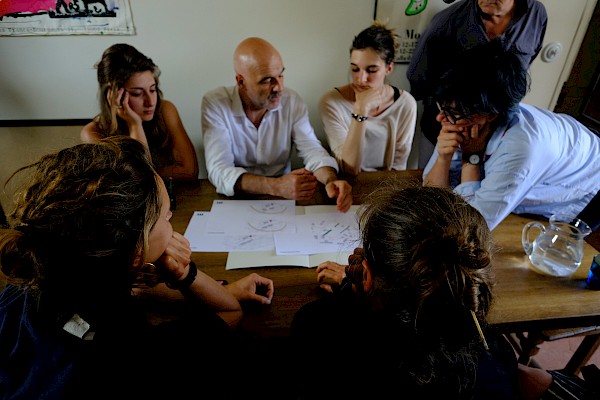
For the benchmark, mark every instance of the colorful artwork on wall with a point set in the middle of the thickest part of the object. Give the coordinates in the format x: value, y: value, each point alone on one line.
x: 65, y: 17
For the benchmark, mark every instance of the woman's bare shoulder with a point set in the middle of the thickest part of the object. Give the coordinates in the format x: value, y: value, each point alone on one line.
x: 168, y: 106
x: 90, y: 133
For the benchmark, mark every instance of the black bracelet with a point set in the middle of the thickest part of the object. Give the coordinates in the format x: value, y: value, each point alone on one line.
x: 187, y: 281
x: 359, y: 118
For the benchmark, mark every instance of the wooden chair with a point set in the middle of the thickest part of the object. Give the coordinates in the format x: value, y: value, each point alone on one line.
x: 526, y: 344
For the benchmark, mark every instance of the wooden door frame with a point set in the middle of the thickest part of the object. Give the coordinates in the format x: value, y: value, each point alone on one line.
x: 584, y: 79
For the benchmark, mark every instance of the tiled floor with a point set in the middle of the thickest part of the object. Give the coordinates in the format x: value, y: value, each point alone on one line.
x: 556, y: 354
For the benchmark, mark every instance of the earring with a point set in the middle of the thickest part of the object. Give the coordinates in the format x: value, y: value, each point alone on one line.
x: 148, y: 276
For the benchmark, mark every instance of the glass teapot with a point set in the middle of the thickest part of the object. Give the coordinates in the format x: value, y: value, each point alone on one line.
x: 558, y: 249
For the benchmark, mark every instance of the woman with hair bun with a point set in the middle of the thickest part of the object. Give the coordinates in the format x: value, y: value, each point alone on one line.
x: 408, y: 315
x: 370, y: 124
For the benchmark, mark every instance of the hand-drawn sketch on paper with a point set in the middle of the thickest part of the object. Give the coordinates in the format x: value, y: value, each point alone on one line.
x: 65, y: 17
x: 241, y: 217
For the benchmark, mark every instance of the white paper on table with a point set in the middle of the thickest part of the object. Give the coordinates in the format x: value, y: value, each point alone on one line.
x: 325, y: 208
x: 200, y: 241
x: 240, y: 260
x: 243, y: 217
x: 320, y: 233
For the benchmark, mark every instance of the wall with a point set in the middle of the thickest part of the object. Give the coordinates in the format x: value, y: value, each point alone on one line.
x: 23, y: 145
x: 192, y: 42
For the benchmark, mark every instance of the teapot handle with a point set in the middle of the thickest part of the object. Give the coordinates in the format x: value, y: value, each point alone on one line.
x: 528, y: 245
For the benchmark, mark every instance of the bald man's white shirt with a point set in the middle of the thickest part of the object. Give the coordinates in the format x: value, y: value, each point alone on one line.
x: 234, y: 146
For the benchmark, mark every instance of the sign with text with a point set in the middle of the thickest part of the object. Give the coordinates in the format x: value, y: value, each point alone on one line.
x: 409, y: 18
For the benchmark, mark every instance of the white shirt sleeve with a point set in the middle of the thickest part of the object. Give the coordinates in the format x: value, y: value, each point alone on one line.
x: 335, y: 125
x: 405, y: 124
x: 308, y: 145
x: 218, y: 144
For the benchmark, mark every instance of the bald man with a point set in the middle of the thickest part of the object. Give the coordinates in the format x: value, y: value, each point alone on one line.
x: 249, y: 131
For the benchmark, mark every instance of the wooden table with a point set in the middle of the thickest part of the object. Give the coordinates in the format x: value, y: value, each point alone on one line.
x: 541, y: 305
x: 524, y: 300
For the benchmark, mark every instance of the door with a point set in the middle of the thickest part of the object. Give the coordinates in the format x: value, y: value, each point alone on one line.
x: 567, y: 24
x: 580, y: 95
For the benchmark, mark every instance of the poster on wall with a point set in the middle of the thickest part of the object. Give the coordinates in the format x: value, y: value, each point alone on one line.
x: 65, y: 17
x: 409, y: 18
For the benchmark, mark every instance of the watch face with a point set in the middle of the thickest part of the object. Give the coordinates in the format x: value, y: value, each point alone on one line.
x: 474, y: 159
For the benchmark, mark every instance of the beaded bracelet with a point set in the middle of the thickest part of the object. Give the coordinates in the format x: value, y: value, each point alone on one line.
x: 359, y: 118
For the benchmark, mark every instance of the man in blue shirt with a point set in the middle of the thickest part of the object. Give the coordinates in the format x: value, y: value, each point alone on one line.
x: 504, y: 156
x: 520, y: 25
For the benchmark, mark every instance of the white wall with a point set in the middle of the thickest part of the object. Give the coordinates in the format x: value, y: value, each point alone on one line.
x: 192, y: 42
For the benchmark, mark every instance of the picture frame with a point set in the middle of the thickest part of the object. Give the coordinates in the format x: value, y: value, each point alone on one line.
x: 66, y: 17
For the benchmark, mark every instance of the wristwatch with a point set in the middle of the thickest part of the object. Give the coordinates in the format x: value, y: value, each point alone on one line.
x: 474, y: 159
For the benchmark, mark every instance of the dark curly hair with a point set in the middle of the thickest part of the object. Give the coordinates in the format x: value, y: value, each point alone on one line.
x: 485, y: 79
x: 430, y: 254
x: 80, y: 221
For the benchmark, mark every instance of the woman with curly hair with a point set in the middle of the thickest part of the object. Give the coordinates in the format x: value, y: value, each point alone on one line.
x: 87, y: 229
